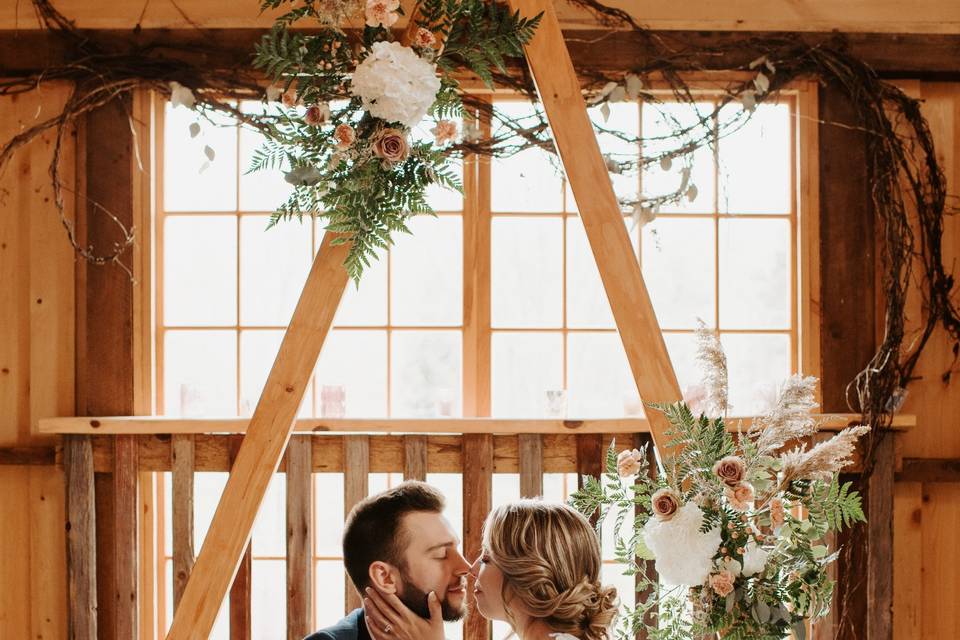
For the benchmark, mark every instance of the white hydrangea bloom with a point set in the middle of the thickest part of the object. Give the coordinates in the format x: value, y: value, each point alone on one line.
x: 396, y: 84
x: 684, y: 555
x: 754, y: 559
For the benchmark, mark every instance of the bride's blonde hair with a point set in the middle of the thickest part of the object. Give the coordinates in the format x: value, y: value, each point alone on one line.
x: 550, y: 559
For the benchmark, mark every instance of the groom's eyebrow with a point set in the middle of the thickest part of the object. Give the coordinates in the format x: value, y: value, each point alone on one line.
x: 451, y: 543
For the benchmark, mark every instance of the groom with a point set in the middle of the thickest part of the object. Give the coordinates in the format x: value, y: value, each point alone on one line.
x: 399, y: 542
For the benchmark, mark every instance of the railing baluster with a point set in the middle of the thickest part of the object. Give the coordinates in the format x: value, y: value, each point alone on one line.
x: 125, y: 516
x: 182, y: 462
x: 356, y: 469
x: 415, y: 458
x: 531, y: 465
x: 299, y: 528
x: 81, y: 538
x: 477, y: 501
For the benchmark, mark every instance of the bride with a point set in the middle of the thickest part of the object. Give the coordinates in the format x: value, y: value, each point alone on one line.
x: 539, y: 571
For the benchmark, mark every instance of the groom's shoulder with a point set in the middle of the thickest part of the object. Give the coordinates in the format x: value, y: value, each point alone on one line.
x: 347, y: 629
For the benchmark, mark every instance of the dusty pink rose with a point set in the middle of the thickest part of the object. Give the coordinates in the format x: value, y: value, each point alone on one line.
x: 731, y: 470
x: 290, y: 99
x: 740, y: 496
x: 628, y: 463
x: 382, y: 13
x: 665, y: 504
x: 391, y: 146
x: 444, y: 132
x: 777, y: 513
x: 316, y: 114
x: 722, y: 583
x: 345, y: 136
x: 424, y: 38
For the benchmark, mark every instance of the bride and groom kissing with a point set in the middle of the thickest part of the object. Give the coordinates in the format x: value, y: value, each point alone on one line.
x: 539, y: 570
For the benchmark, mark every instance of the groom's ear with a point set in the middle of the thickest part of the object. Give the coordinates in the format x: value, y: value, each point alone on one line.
x: 383, y: 576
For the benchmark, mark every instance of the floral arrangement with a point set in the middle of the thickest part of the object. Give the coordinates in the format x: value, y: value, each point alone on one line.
x: 347, y: 107
x: 736, y: 526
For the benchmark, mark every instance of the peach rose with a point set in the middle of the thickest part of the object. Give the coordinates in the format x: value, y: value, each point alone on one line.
x: 424, y: 38
x: 345, y: 136
x: 289, y: 98
x: 722, y: 583
x: 628, y: 463
x: 382, y: 13
x: 391, y: 145
x: 731, y: 470
x: 444, y: 132
x: 316, y: 114
x: 739, y: 496
x: 665, y: 504
x: 777, y: 513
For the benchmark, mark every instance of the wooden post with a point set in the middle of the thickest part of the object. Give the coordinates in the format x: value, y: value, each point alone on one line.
x: 531, y: 464
x: 649, y: 570
x: 81, y: 538
x: 263, y: 445
x: 880, y: 541
x: 477, y: 502
x: 559, y: 90
x: 299, y: 526
x: 589, y: 461
x: 415, y: 458
x: 182, y: 455
x: 356, y: 471
x: 125, y: 518
x: 241, y: 622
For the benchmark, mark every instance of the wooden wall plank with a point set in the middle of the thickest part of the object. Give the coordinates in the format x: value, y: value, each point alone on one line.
x: 531, y: 465
x: 125, y: 518
x: 880, y: 542
x: 48, y: 563
x: 299, y: 539
x: 356, y: 471
x: 415, y: 458
x: 940, y: 552
x: 15, y: 569
x: 263, y: 446
x: 182, y: 461
x: 106, y: 557
x: 81, y: 538
x: 907, y: 569
x: 477, y: 502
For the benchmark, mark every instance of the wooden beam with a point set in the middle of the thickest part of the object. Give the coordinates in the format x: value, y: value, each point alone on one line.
x: 143, y: 425
x: 81, y: 538
x: 125, y: 518
x: 477, y: 502
x: 531, y: 465
x: 600, y: 212
x: 263, y: 445
x: 182, y: 462
x: 22, y: 456
x: 415, y: 458
x: 929, y: 470
x: 880, y: 541
x: 648, y: 567
x: 299, y: 539
x: 356, y: 472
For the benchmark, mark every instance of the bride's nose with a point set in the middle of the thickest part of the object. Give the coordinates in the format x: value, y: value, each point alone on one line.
x: 475, y: 568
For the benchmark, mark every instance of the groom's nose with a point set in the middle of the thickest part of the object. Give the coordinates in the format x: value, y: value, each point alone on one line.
x: 462, y: 566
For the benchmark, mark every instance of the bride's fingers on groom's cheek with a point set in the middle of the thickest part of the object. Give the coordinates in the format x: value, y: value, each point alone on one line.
x: 383, y: 606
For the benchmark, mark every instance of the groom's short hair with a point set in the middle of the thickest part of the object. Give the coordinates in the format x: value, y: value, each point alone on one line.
x: 373, y: 529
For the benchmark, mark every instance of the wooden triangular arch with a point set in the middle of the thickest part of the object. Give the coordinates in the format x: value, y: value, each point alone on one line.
x: 273, y: 419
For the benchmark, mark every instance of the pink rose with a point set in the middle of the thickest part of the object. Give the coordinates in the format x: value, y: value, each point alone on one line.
x: 391, y: 145
x: 740, y: 496
x: 777, y: 513
x: 382, y: 13
x: 424, y: 38
x: 444, y: 132
x: 345, y: 136
x: 628, y: 463
x: 722, y: 583
x: 731, y: 470
x: 665, y: 504
x: 316, y: 114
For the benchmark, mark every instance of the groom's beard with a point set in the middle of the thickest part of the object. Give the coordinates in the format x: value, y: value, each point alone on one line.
x: 416, y: 600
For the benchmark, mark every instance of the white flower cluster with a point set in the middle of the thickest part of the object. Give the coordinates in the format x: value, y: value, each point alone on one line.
x: 684, y: 554
x: 396, y: 84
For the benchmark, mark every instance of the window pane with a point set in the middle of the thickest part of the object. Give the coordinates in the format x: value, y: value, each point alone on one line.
x: 426, y: 373
x: 754, y: 274
x: 200, y: 373
x: 207, y: 489
x: 757, y: 363
x: 263, y: 190
x: 678, y: 268
x: 426, y: 273
x: 682, y: 348
x: 268, y: 601
x: 329, y: 592
x: 191, y: 182
x: 755, y: 162
x: 269, y: 537
x: 660, y: 125
x: 587, y: 305
x: 258, y: 351
x: 357, y: 361
x: 273, y: 269
x: 328, y: 516
x: 451, y: 485
x: 199, y: 270
x: 598, y: 376
x: 506, y: 488
x: 524, y: 366
x: 527, y: 272
x: 530, y: 181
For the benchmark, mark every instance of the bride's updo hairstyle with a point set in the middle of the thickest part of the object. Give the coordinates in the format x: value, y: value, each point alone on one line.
x: 550, y: 559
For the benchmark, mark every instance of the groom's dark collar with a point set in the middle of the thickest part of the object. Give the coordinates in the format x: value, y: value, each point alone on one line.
x: 361, y: 621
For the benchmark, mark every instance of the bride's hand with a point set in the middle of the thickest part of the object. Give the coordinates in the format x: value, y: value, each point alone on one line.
x: 389, y: 619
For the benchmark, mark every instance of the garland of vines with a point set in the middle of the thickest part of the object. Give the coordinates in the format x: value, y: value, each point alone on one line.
x: 905, y: 177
